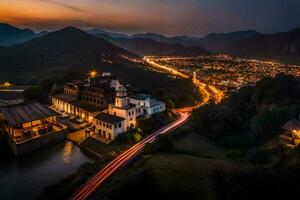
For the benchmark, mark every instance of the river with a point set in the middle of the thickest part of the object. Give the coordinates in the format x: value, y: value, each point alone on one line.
x: 24, y: 178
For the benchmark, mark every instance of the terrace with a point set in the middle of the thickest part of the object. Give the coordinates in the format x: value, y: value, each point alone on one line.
x: 25, y: 122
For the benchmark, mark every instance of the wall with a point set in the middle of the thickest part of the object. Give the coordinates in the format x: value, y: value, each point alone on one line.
x: 37, y: 143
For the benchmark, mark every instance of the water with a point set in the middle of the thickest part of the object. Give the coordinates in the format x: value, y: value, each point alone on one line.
x: 25, y: 178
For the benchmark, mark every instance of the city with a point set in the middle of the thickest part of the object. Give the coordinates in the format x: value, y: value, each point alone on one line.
x: 223, y: 71
x: 149, y: 99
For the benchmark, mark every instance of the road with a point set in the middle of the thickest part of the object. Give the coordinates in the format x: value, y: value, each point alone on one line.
x: 183, y: 113
x: 207, y: 91
x: 124, y: 158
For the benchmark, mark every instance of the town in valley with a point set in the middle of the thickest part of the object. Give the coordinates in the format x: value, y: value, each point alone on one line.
x: 187, y: 100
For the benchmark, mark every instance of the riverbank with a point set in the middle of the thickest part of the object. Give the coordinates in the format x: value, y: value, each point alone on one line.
x: 67, y: 186
x: 31, y: 173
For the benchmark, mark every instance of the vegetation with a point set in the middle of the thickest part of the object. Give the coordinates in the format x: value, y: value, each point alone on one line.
x: 251, y: 116
x: 68, y: 185
x: 188, y: 166
x: 217, y: 155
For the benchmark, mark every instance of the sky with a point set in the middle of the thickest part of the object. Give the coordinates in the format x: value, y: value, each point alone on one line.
x: 169, y: 17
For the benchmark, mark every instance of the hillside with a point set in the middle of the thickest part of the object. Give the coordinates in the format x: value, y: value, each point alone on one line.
x: 97, y: 31
x: 283, y: 47
x: 143, y: 46
x: 218, y: 42
x: 10, y: 35
x: 69, y: 47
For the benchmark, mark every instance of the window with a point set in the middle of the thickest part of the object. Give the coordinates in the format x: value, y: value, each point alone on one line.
x: 100, y: 123
x: 115, y: 125
x: 110, y: 126
x: 120, y: 125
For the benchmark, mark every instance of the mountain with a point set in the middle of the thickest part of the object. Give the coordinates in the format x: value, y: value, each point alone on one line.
x: 97, y: 31
x: 218, y: 42
x: 283, y: 47
x: 215, y: 42
x: 143, y: 46
x: 10, y: 35
x: 69, y: 47
x: 153, y: 36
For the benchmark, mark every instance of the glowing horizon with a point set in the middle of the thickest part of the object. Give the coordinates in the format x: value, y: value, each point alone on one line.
x: 170, y: 17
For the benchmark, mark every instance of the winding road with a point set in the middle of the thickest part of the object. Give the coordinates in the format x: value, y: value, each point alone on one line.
x: 184, y: 113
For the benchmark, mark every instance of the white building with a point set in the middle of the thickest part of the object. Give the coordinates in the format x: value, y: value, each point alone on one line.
x: 121, y: 115
x: 147, y: 105
x: 122, y: 108
x: 109, y: 126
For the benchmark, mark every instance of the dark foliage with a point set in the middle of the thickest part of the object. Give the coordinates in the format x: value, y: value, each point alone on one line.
x: 251, y: 115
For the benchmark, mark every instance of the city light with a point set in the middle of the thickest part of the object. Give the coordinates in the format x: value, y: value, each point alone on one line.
x: 93, y: 74
x: 6, y: 84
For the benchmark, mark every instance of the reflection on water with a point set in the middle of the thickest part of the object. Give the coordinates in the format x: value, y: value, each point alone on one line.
x: 25, y: 177
x: 67, y: 152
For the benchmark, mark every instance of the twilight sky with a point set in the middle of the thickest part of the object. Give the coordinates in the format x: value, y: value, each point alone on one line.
x: 171, y: 17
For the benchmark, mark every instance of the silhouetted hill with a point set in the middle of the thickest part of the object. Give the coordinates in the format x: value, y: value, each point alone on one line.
x: 284, y: 47
x: 218, y: 42
x: 215, y: 42
x: 143, y: 46
x: 97, y: 31
x: 153, y: 36
x: 69, y: 47
x: 10, y: 35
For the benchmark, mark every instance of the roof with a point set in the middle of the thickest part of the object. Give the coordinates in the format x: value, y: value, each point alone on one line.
x: 141, y: 96
x: 294, y: 124
x: 155, y: 102
x: 19, y: 114
x: 107, y: 118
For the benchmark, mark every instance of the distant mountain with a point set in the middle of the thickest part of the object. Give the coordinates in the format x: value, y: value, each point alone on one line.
x: 218, y: 42
x: 10, y: 35
x: 215, y: 42
x: 143, y: 46
x: 97, y: 31
x: 284, y: 47
x: 153, y: 36
x: 69, y: 47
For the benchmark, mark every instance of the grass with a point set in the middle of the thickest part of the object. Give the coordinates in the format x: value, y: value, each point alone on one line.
x: 184, y: 172
x: 199, y: 146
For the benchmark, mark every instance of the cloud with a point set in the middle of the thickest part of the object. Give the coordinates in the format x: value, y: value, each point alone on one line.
x: 70, y: 7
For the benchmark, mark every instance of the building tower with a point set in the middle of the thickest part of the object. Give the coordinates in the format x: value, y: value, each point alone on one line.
x: 121, y: 99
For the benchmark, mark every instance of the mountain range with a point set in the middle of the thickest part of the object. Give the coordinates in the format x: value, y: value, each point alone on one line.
x: 145, y: 46
x: 10, y: 35
x: 69, y: 47
x: 283, y: 47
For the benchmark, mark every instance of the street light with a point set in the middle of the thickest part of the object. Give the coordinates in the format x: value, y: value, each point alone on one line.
x: 93, y: 74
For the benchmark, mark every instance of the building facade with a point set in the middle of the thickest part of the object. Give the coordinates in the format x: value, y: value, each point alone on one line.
x: 84, y: 99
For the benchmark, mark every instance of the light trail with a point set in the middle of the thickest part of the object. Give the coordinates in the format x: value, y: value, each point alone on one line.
x: 124, y: 158
x: 184, y: 113
x: 168, y: 69
x: 211, y: 93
